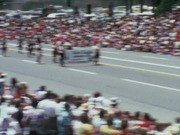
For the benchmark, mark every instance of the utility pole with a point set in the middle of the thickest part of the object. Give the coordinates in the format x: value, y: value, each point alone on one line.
x: 111, y: 9
x: 68, y: 3
x: 141, y: 5
x: 89, y: 9
x: 127, y: 6
x: 130, y: 5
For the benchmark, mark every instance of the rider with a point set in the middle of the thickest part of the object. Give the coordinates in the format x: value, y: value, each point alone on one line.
x: 96, y: 55
x: 61, y: 55
x: 4, y: 47
x: 39, y: 54
x: 30, y: 48
x: 20, y: 46
x: 55, y: 53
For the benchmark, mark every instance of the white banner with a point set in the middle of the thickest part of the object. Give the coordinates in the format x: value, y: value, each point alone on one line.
x: 79, y: 55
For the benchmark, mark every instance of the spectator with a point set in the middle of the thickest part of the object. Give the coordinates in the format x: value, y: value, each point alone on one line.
x: 108, y: 130
x: 86, y: 128
x: 64, y: 120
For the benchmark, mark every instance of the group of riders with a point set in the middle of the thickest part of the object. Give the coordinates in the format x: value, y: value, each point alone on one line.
x: 34, y: 48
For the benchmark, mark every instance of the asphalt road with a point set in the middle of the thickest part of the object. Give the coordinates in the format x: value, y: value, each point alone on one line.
x: 143, y: 81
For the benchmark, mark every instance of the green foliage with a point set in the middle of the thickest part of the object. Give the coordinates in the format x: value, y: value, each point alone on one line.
x: 1, y: 1
x: 165, y: 5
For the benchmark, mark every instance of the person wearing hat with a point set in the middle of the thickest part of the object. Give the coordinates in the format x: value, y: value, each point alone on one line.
x: 76, y: 122
x: 10, y: 123
x: 114, y: 104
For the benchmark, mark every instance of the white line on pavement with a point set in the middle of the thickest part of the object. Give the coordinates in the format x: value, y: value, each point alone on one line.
x: 154, y: 85
x: 29, y: 61
x: 141, y: 62
x: 12, y: 44
x: 47, y: 49
x: 151, y: 57
x: 126, y: 60
x: 110, y: 52
x: 47, y: 54
x: 82, y: 71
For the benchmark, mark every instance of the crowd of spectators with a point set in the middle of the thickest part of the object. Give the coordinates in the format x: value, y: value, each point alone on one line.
x: 42, y: 112
x: 132, y: 33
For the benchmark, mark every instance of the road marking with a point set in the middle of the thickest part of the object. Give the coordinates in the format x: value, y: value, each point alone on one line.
x: 110, y: 52
x: 29, y: 61
x: 47, y: 54
x: 47, y: 49
x: 127, y: 67
x: 12, y: 44
x: 82, y: 71
x: 141, y: 69
x: 140, y: 62
x: 154, y: 85
x: 151, y: 57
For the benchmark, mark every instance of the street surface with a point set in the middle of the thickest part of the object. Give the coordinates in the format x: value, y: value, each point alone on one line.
x: 143, y: 81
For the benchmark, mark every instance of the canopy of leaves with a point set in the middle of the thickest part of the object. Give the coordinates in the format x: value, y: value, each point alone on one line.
x: 164, y: 6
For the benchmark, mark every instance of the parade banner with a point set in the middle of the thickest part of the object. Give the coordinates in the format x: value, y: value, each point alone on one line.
x: 79, y: 55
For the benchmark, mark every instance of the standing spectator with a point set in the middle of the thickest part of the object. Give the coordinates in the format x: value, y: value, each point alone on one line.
x: 33, y: 121
x: 86, y: 128
x: 98, y: 122
x: 22, y: 90
x: 49, y: 105
x: 108, y: 130
x: 13, y: 86
x: 10, y: 124
x: 76, y: 122
x: 64, y: 120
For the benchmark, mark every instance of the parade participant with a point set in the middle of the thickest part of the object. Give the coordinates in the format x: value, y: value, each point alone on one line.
x: 55, y: 53
x: 61, y: 55
x: 4, y: 47
x: 20, y: 45
x: 39, y: 41
x: 39, y: 54
x: 30, y: 48
x: 96, y: 55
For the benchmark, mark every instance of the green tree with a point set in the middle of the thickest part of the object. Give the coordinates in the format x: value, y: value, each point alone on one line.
x: 1, y: 1
x: 164, y: 6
